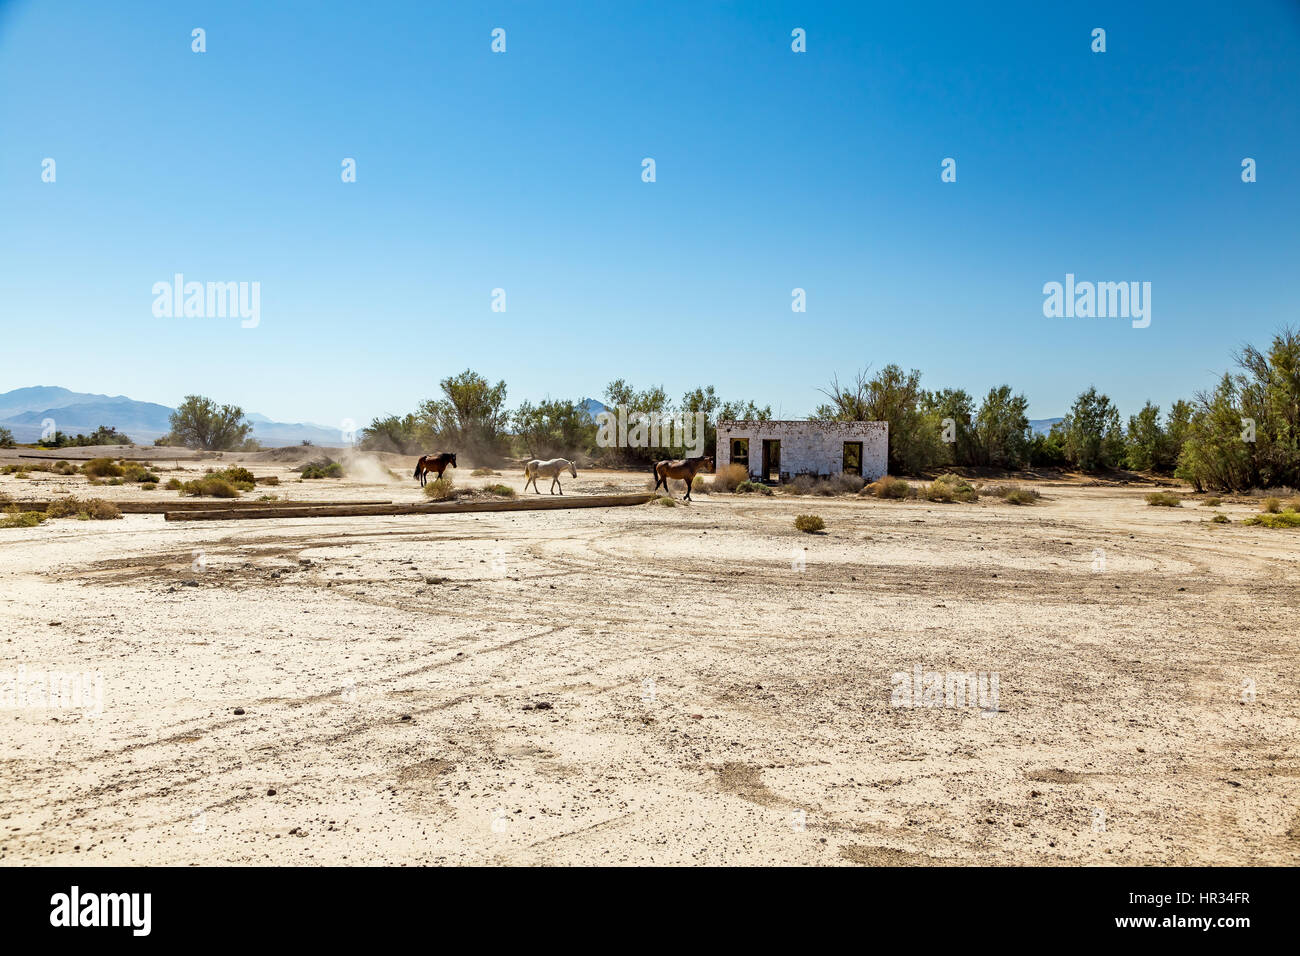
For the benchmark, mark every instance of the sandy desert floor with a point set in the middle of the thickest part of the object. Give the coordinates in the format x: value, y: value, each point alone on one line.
x: 652, y: 684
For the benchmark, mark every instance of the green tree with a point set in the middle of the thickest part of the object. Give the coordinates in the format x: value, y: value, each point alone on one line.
x: 893, y: 396
x: 401, y: 434
x: 955, y: 410
x: 199, y: 422
x: 470, y: 418
x: 6, y: 438
x: 1002, y: 429
x: 1093, y: 439
x: 1246, y: 432
x: 553, y: 428
x: 706, y: 400
x: 1145, y: 442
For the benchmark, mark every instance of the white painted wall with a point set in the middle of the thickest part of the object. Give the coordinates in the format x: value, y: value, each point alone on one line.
x: 808, y: 447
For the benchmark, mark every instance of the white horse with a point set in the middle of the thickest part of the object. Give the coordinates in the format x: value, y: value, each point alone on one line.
x: 548, y: 469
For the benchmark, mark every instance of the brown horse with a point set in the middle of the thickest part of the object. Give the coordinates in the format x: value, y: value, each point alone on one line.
x: 428, y: 463
x: 684, y: 468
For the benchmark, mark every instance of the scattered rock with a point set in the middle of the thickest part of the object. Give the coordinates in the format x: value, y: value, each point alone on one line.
x: 239, y: 712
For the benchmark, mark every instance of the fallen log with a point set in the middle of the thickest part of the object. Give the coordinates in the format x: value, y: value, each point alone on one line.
x: 546, y: 503
x: 162, y: 507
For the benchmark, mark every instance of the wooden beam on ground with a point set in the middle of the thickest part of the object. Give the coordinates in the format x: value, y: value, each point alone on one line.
x: 225, y: 504
x: 540, y: 503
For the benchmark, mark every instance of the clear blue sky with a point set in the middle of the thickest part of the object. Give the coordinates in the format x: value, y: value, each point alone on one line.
x: 523, y: 171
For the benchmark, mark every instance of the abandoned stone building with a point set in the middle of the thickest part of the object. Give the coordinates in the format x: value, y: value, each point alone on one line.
x: 783, y: 450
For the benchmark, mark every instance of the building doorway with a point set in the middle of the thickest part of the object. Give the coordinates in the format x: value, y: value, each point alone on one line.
x: 852, y: 458
x: 771, y: 459
x: 740, y: 452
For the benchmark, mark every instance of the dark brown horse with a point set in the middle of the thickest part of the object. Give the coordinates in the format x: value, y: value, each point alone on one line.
x: 684, y: 468
x: 428, y: 463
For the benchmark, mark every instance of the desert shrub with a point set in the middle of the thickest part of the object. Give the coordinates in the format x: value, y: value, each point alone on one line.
x: 482, y: 472
x: 809, y: 523
x: 440, y: 489
x: 1286, y: 519
x: 842, y: 484
x: 330, y: 469
x: 752, y: 487
x: 23, y: 473
x: 149, y: 486
x: 1211, y: 502
x: 500, y: 491
x: 236, y: 475
x: 888, y: 487
x: 949, y: 488
x: 100, y: 510
x: 63, y: 507
x: 1293, y: 504
x: 64, y: 468
x: 134, y: 471
x: 1164, y: 499
x: 210, y: 486
x: 1021, y: 496
x: 173, y: 484
x: 1271, y: 505
x: 667, y: 501
x: 102, y: 468
x: 1220, y: 518
x: 1011, y: 494
x: 798, y: 485
x: 13, y: 518
x: 727, y: 479
x: 699, y: 486
x: 268, y: 480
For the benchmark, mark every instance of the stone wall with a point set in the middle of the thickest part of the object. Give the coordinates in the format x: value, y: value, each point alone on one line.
x: 808, y: 447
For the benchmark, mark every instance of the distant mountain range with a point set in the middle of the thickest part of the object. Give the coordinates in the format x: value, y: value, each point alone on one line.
x: 23, y: 411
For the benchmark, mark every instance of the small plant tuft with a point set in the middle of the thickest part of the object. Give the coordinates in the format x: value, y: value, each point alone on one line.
x: 809, y: 524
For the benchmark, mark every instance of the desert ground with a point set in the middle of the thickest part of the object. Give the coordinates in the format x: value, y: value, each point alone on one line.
x: 651, y: 684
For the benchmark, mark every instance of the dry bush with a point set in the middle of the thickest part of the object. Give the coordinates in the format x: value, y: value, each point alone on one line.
x: 727, y: 479
x: 1211, y: 502
x: 500, y: 491
x: 63, y: 507
x: 13, y: 518
x: 1220, y: 518
x: 173, y: 484
x: 1011, y: 494
x: 482, y: 472
x: 752, y: 487
x: 1271, y: 505
x: 440, y: 489
x: 1164, y: 499
x: 699, y: 486
x: 1286, y: 519
x: 667, y: 501
x: 100, y: 510
x: 102, y: 468
x: 809, y: 524
x: 950, y: 488
x: 267, y: 480
x: 888, y: 487
x: 798, y: 485
x: 210, y: 486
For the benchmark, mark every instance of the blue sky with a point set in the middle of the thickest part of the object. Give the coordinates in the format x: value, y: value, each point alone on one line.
x: 522, y: 171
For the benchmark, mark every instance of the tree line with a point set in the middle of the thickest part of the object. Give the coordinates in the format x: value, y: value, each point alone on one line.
x: 1241, y: 434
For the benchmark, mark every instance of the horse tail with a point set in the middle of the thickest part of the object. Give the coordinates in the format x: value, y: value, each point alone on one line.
x: 417, y: 468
